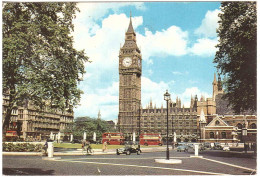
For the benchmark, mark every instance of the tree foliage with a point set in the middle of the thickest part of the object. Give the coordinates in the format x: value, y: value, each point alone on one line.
x: 89, y: 125
x: 236, y: 55
x: 39, y: 61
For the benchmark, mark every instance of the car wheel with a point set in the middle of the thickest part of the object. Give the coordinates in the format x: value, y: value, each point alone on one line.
x: 128, y: 153
x: 138, y: 152
x: 146, y: 144
x: 160, y: 144
x: 117, y: 153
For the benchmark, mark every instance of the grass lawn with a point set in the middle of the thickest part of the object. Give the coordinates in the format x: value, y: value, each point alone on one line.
x: 94, y: 146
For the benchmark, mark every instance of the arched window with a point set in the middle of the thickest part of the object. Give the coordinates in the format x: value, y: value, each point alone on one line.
x: 239, y: 126
x: 224, y: 135
x: 252, y: 126
x: 211, y: 134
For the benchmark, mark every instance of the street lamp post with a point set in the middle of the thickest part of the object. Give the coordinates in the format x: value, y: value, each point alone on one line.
x: 139, y: 125
x: 167, y: 97
x: 244, y: 134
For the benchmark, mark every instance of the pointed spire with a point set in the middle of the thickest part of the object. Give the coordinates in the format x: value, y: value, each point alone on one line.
x: 215, y: 79
x: 130, y: 27
x: 99, y: 115
x: 151, y: 103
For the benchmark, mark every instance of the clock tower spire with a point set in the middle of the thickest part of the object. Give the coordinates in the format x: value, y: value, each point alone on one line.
x: 130, y: 71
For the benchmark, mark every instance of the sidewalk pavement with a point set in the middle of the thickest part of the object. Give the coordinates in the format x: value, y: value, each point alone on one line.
x: 79, y: 152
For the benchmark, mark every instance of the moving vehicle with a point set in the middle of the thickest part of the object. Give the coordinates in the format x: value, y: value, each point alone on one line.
x: 11, y: 135
x: 113, y: 138
x: 150, y: 139
x: 129, y: 148
x: 182, y: 147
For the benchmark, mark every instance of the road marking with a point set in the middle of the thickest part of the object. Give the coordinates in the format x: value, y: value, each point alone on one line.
x: 232, y: 165
x: 126, y: 158
x: 138, y: 166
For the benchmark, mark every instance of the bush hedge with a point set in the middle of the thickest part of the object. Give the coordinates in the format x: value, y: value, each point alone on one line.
x: 22, y: 147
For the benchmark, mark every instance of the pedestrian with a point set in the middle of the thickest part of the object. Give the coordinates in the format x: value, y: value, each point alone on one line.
x: 172, y: 145
x: 83, y: 145
x: 88, y: 147
x: 45, y: 147
x: 104, y: 146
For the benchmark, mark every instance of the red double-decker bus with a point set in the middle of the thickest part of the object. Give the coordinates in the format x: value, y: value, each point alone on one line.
x: 150, y: 139
x: 113, y: 138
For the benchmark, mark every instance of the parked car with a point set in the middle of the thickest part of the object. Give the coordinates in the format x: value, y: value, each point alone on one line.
x: 128, y: 149
x: 190, y: 145
x: 76, y: 141
x: 226, y: 148
x: 207, y: 145
x: 182, y: 147
x: 217, y: 146
x: 201, y: 147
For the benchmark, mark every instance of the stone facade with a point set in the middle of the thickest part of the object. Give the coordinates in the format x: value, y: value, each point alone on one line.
x: 36, y: 125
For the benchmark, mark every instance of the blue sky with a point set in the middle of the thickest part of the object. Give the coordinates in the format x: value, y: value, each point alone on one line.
x: 177, y: 41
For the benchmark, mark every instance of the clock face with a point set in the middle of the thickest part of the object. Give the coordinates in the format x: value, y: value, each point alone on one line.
x: 127, y: 61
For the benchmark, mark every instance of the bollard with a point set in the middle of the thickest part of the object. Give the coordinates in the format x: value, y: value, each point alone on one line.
x: 196, y: 150
x: 50, y: 150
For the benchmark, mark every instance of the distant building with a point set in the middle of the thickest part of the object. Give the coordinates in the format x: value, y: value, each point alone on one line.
x: 33, y: 124
x: 111, y: 124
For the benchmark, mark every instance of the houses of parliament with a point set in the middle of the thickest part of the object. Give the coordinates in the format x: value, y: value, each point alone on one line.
x: 207, y: 119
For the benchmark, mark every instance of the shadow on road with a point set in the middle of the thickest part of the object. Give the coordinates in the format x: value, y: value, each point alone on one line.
x: 26, y: 171
x: 227, y: 154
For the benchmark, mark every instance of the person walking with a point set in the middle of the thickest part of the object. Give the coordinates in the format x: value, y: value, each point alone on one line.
x: 104, y: 146
x: 88, y: 147
x: 45, y: 147
x: 83, y: 145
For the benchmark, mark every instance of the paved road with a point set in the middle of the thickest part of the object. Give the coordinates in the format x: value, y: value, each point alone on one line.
x: 212, y: 163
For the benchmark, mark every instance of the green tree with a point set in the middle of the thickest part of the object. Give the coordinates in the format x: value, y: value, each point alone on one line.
x: 236, y: 55
x: 89, y: 125
x: 40, y: 64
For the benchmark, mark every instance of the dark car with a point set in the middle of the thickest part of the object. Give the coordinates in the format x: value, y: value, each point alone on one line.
x: 128, y: 149
x: 207, y: 145
x: 76, y: 141
x: 217, y: 146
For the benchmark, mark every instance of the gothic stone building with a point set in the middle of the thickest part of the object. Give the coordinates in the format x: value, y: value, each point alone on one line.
x: 35, y: 125
x: 185, y: 122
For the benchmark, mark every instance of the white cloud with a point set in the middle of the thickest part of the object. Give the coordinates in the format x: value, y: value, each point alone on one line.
x: 172, y: 41
x: 209, y: 24
x: 104, y: 99
x: 180, y: 73
x: 186, y: 95
x: 154, y: 91
x: 204, y: 47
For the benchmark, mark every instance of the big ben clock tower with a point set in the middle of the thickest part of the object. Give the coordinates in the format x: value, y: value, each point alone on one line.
x: 130, y: 71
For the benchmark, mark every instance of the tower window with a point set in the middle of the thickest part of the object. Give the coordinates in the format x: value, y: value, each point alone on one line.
x: 224, y: 135
x: 211, y: 135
